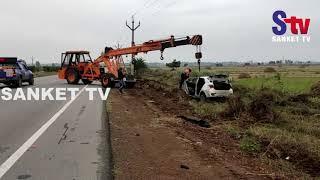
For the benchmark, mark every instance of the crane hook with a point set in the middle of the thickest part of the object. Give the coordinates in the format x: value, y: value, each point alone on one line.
x: 161, y: 56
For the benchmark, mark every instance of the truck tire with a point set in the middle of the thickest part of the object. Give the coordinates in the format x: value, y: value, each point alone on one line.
x: 86, y: 81
x: 72, y: 76
x: 18, y: 83
x: 31, y: 81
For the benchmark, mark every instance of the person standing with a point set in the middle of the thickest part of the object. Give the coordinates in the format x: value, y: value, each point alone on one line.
x: 121, y: 77
x: 184, y: 76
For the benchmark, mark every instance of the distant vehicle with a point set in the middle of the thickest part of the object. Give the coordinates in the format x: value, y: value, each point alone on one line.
x: 206, y: 87
x: 14, y: 72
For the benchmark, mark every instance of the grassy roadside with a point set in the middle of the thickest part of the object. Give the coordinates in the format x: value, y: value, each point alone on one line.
x: 274, y: 116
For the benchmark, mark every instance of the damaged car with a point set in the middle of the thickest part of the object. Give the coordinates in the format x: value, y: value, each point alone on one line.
x: 206, y: 87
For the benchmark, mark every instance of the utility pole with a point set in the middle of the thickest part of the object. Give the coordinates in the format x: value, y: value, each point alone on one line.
x: 132, y: 28
x: 32, y: 60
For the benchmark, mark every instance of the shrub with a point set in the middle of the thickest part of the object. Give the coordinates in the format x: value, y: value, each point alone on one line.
x: 249, y: 144
x: 244, y: 76
x: 235, y: 106
x: 50, y: 68
x: 174, y: 64
x: 261, y: 107
x: 261, y: 110
x: 139, y: 65
x: 315, y: 89
x: 269, y: 70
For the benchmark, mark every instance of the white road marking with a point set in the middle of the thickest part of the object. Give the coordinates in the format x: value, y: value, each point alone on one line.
x: 107, y: 92
x: 16, y: 156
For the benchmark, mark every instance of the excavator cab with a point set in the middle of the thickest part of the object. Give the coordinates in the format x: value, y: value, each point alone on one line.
x: 73, y: 64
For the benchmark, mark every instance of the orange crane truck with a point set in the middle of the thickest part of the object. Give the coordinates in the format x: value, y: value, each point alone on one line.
x: 76, y: 65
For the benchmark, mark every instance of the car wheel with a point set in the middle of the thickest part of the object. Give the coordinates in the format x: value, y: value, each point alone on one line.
x: 18, y: 82
x: 31, y: 81
x: 72, y: 76
x: 203, y: 97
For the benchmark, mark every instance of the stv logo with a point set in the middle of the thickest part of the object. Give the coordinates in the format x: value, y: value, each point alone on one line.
x: 296, y: 25
x: 293, y: 21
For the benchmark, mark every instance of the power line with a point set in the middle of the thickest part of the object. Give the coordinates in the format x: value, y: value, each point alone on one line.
x: 147, y: 4
x: 165, y: 6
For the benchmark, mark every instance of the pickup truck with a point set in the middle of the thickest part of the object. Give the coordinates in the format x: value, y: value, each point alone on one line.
x: 206, y: 87
x: 14, y: 72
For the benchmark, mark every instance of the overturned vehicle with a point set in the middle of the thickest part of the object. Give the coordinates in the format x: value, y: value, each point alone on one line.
x: 205, y: 87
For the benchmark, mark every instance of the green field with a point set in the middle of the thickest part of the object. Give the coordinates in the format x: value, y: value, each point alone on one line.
x: 291, y: 79
x: 286, y: 84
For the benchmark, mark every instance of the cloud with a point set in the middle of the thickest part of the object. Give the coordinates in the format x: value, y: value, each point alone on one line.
x: 232, y: 29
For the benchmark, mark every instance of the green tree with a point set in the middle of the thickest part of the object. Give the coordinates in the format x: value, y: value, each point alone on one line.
x: 139, y: 65
x: 174, y: 64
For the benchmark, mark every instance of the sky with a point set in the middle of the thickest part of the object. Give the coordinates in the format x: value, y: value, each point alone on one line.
x: 233, y: 30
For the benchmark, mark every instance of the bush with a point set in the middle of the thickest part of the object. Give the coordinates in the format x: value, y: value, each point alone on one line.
x: 139, y: 65
x: 235, y: 106
x: 50, y: 68
x: 249, y: 144
x: 261, y: 110
x: 315, y: 89
x: 244, y: 76
x: 269, y: 70
x: 261, y: 107
x: 174, y: 64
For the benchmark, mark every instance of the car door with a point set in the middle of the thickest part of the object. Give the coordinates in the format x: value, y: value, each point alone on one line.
x: 200, y: 83
x: 189, y: 86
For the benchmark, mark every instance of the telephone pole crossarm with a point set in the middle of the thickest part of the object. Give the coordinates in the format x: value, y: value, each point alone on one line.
x: 133, y: 28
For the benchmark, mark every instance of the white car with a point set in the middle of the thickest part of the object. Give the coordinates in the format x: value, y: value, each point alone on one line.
x: 208, y: 87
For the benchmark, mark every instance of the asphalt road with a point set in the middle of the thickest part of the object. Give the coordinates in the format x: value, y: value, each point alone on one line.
x: 73, y: 147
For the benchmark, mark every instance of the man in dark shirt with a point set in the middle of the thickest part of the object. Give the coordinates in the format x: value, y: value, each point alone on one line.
x: 184, y: 76
x: 121, y: 76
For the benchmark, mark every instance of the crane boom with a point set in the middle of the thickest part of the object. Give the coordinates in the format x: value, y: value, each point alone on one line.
x: 152, y: 45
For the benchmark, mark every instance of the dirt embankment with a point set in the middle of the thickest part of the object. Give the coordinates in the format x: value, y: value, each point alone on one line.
x: 150, y: 141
